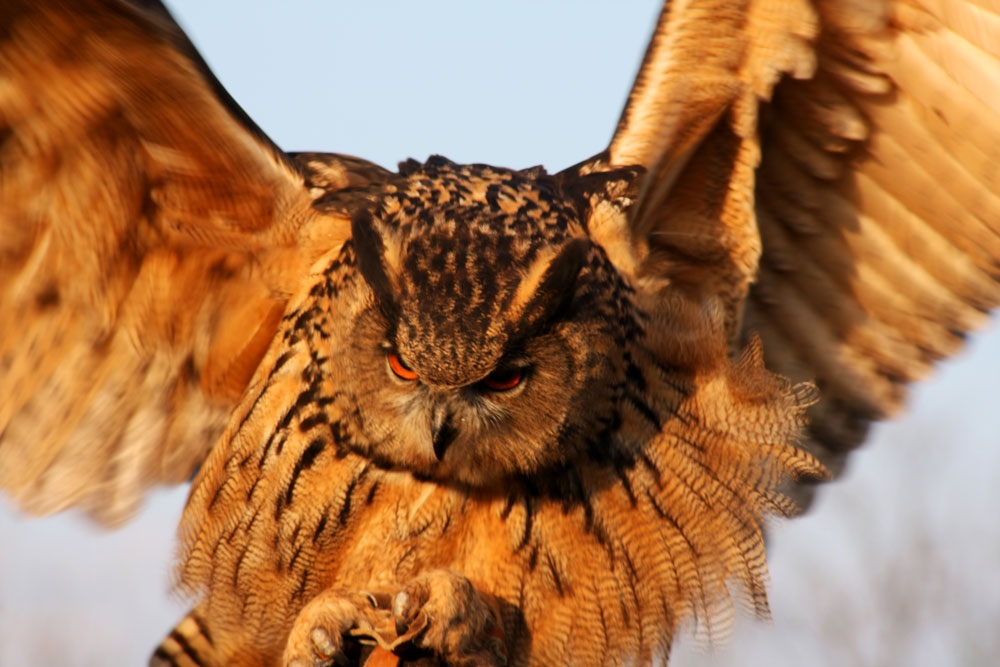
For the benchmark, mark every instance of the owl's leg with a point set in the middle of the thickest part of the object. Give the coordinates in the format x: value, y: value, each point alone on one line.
x: 458, y: 623
x: 317, y: 637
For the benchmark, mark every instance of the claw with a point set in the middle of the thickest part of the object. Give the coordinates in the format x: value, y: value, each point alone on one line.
x: 321, y: 640
x: 399, y: 612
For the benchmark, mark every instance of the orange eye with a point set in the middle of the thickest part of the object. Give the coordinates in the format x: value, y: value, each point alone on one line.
x: 401, y: 370
x: 504, y: 380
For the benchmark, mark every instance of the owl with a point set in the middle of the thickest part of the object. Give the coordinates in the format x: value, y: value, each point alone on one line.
x: 466, y: 412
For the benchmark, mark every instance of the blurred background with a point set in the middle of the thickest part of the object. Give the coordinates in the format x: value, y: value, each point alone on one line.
x: 896, y: 564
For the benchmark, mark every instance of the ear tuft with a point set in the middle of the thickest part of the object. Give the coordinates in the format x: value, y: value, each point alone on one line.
x: 557, y: 285
x: 370, y: 251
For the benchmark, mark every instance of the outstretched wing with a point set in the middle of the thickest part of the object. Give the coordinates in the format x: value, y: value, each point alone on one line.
x: 827, y: 172
x: 149, y: 237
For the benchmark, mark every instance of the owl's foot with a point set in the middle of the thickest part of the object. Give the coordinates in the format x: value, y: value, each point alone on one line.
x: 317, y: 637
x: 436, y: 618
x: 446, y: 615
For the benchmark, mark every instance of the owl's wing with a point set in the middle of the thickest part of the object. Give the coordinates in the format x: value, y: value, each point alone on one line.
x: 852, y: 216
x: 149, y: 236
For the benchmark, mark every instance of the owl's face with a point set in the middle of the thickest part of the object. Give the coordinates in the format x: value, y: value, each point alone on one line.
x: 483, y: 336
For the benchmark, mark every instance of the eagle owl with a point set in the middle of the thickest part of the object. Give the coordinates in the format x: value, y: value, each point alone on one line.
x: 467, y: 412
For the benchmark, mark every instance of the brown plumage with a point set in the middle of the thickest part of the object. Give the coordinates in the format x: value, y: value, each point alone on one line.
x: 618, y: 488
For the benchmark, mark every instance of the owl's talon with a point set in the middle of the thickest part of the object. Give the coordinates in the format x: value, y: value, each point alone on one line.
x: 322, y: 642
x: 400, y: 612
x: 445, y: 614
x: 317, y: 636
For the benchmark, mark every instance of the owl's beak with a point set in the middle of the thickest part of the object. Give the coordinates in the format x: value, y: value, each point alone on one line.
x: 442, y: 432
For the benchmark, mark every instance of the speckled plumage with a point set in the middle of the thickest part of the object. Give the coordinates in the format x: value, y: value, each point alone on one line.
x: 527, y: 502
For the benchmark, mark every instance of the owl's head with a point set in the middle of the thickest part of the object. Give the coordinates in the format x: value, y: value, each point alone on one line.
x: 489, y: 335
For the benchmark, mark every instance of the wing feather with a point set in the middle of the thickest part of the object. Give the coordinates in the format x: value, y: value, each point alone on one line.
x: 149, y: 236
x: 915, y: 207
x: 691, y: 121
x: 872, y: 244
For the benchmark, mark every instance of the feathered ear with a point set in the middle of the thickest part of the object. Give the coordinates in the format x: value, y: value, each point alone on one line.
x: 553, y: 289
x: 370, y: 250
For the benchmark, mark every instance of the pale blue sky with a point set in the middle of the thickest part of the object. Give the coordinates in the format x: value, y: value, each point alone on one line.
x: 517, y: 84
x: 513, y: 84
